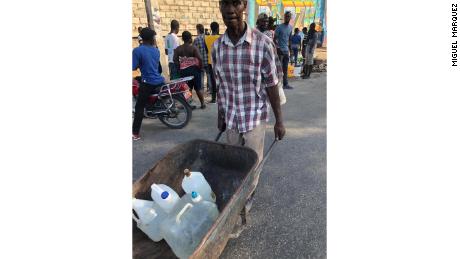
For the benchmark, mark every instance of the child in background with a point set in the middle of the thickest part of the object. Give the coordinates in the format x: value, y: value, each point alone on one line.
x: 295, y: 44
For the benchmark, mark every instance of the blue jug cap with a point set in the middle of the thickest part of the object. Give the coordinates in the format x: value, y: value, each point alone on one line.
x: 164, y: 195
x: 194, y: 195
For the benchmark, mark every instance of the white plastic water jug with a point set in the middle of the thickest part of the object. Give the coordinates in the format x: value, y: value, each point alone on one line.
x: 195, y: 181
x: 164, y: 196
x: 149, y: 218
x: 193, y: 218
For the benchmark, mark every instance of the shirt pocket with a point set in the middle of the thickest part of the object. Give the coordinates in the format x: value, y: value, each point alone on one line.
x: 255, y: 74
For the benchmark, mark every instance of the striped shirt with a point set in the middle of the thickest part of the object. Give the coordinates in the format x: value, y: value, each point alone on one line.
x: 200, y: 44
x: 243, y: 71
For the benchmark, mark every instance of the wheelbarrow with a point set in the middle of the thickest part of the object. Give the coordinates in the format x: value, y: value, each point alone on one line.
x: 229, y: 169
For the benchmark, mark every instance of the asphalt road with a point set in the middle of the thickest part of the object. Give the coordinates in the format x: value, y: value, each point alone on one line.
x: 288, y: 216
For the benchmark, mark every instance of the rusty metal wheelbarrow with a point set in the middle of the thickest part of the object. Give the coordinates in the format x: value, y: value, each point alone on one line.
x: 230, y: 170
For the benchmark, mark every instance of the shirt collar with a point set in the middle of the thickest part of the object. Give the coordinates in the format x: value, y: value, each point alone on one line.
x: 247, y: 36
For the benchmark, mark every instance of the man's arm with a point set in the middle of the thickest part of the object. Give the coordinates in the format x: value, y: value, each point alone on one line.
x: 176, y: 58
x: 274, y: 97
x: 197, y: 54
x: 270, y: 76
x: 221, y: 125
x: 135, y: 59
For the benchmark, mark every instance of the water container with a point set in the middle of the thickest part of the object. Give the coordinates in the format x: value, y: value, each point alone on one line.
x: 184, y: 231
x: 149, y: 218
x: 195, y: 181
x: 164, y: 196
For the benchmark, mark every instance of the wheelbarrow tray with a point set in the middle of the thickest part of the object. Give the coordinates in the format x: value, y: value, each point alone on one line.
x: 230, y: 171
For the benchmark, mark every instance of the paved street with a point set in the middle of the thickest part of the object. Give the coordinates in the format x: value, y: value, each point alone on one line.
x: 288, y: 217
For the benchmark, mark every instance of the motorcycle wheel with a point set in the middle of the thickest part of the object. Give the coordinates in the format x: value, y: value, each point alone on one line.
x: 180, y: 113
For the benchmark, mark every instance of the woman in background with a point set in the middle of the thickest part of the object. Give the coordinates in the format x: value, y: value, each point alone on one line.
x: 188, y: 59
x: 311, y: 41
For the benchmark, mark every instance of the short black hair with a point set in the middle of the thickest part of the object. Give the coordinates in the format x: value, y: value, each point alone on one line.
x: 304, y: 29
x: 174, y: 25
x: 200, y: 28
x: 186, y: 36
x: 214, y: 27
x: 296, y: 30
x: 147, y: 34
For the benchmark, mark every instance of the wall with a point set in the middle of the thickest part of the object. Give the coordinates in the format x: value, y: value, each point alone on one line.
x: 188, y: 13
x: 139, y: 16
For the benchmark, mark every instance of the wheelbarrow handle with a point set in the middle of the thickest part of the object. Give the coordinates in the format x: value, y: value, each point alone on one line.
x: 266, y: 154
x: 218, y: 135
x: 269, y: 151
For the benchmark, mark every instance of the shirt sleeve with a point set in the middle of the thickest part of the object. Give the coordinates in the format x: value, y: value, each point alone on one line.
x: 176, y: 42
x: 220, y: 96
x: 136, y: 59
x: 269, y: 66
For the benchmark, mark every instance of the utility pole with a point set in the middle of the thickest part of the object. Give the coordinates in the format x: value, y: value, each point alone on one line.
x: 148, y: 9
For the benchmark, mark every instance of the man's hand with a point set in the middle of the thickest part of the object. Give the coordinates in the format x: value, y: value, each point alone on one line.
x: 221, y: 122
x: 279, y: 129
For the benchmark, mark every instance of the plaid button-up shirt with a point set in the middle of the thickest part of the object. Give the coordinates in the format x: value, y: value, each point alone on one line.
x: 201, y: 45
x: 243, y: 71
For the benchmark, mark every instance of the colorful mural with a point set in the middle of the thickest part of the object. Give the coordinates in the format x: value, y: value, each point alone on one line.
x: 304, y: 12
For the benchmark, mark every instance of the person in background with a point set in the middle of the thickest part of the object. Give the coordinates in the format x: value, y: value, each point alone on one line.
x: 302, y: 34
x: 201, y: 45
x: 146, y: 57
x: 139, y: 38
x: 210, y: 39
x: 188, y: 59
x: 271, y: 24
x: 262, y: 25
x: 282, y: 34
x: 172, y: 42
x: 206, y: 32
x: 295, y: 44
x: 312, y: 39
x: 303, y: 48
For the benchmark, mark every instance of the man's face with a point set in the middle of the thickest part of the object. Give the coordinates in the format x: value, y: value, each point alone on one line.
x: 263, y: 23
x: 287, y: 18
x: 232, y: 12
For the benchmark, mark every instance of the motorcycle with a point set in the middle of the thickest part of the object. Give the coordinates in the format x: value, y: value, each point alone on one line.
x: 171, y: 105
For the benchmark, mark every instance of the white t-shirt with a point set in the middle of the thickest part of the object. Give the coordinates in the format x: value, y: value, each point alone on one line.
x: 172, y: 42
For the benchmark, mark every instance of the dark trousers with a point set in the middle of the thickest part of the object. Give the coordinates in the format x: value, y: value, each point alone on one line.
x: 145, y: 90
x: 296, y: 55
x: 173, y: 71
x: 194, y: 71
x: 212, y: 82
x: 284, y: 57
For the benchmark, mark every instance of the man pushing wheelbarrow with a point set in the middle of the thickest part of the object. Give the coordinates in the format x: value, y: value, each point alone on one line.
x: 247, y: 71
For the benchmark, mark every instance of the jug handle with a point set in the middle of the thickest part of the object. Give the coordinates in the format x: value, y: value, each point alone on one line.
x: 185, y: 208
x: 135, y: 219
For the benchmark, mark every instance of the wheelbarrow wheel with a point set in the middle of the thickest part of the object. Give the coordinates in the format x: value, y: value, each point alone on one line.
x: 243, y: 219
x: 239, y: 227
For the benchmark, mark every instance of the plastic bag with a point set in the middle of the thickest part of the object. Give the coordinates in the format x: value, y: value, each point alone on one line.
x: 281, y: 92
